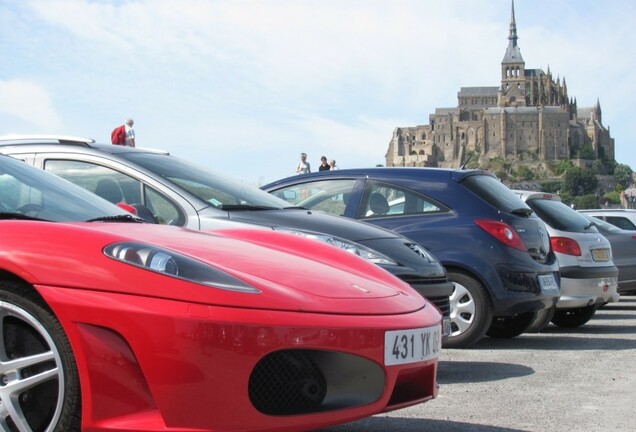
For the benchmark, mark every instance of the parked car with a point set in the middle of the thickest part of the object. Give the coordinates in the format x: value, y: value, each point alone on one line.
x: 172, y: 191
x: 496, y: 252
x: 623, y: 244
x: 109, y: 323
x: 589, y: 278
x: 622, y: 218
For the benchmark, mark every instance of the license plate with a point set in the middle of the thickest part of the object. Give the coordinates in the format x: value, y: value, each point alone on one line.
x: 548, y: 283
x: 411, y: 346
x: 600, y: 255
x: 446, y: 326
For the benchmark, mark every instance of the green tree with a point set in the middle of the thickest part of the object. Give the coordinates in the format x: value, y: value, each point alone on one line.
x: 623, y: 175
x: 552, y: 187
x: 585, y: 202
x: 561, y: 166
x: 586, y: 152
x: 577, y: 182
x: 524, y: 173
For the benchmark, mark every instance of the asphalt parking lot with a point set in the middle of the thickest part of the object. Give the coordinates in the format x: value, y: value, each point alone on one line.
x: 581, y: 379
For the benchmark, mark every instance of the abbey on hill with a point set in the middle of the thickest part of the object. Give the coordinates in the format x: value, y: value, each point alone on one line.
x: 528, y: 117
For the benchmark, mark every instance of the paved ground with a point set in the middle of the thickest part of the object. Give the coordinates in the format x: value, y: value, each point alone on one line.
x: 570, y: 380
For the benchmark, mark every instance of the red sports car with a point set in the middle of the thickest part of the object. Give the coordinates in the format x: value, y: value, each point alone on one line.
x: 110, y: 324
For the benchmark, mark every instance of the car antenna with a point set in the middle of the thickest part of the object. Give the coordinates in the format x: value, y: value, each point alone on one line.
x: 463, y: 166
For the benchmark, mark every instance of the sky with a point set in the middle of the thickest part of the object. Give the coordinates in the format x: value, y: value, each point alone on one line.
x: 243, y: 87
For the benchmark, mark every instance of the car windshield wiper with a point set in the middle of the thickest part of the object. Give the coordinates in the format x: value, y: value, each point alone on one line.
x: 295, y: 208
x: 522, y: 211
x: 246, y: 207
x: 20, y: 216
x: 117, y: 218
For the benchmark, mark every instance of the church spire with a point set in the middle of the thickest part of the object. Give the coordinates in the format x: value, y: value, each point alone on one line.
x: 513, y: 25
x: 513, y: 53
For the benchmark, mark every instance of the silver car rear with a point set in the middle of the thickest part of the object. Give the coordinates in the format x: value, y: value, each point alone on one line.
x: 589, y: 278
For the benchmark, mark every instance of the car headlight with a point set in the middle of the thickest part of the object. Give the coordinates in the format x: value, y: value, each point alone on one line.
x: 344, y: 244
x: 175, y: 265
x: 422, y: 252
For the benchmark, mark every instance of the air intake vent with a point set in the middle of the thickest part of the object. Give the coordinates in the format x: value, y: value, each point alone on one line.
x: 286, y: 383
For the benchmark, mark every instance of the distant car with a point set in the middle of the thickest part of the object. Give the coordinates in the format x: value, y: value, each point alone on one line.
x: 112, y: 324
x: 168, y: 190
x: 589, y: 278
x: 496, y: 252
x: 622, y: 218
x: 623, y: 252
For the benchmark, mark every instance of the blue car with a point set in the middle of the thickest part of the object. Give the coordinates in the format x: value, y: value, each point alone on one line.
x: 495, y: 250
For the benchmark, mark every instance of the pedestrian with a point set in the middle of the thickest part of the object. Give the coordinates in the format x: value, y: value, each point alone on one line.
x: 124, y: 135
x: 324, y: 166
x: 303, y: 166
x: 130, y: 133
x: 332, y: 164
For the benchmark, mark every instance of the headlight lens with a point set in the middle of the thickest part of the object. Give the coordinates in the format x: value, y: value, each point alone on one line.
x: 422, y: 252
x: 175, y: 265
x: 347, y: 245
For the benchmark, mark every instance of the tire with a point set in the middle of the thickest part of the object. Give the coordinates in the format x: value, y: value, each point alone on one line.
x: 51, y: 403
x: 470, y: 311
x: 573, y: 317
x: 541, y: 320
x: 510, y: 326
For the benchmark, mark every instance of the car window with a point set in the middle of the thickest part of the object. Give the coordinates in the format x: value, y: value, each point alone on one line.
x: 330, y: 196
x: 560, y: 216
x: 621, y: 222
x: 382, y: 199
x: 494, y: 192
x: 214, y: 188
x: 600, y: 223
x: 32, y: 192
x: 117, y: 187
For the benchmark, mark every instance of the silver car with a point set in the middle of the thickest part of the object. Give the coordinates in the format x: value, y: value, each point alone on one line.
x: 622, y: 218
x: 589, y: 278
x: 623, y: 252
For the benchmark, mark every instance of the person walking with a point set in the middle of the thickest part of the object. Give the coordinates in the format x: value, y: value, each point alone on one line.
x: 332, y: 165
x: 324, y: 166
x: 303, y: 166
x: 130, y: 133
x: 124, y: 135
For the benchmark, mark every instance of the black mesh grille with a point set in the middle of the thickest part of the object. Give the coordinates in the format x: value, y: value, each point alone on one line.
x: 419, y: 284
x: 442, y: 303
x: 287, y: 382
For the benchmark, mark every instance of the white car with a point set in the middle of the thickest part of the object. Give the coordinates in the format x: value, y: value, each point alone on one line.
x: 622, y: 218
x: 589, y: 278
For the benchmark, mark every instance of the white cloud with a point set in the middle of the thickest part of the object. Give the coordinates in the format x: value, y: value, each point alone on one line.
x: 30, y: 103
x: 218, y: 80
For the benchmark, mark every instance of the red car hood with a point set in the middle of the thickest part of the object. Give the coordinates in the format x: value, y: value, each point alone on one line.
x: 291, y: 273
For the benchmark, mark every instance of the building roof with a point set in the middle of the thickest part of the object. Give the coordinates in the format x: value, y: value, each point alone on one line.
x: 442, y: 111
x: 526, y: 110
x: 477, y: 91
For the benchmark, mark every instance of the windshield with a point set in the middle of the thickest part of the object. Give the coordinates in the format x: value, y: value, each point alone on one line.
x: 215, y: 189
x: 28, y: 191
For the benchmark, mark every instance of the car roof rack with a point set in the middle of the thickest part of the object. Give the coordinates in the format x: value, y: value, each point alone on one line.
x: 43, y: 139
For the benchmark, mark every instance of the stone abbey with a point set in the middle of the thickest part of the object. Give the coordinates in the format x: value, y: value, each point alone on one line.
x: 529, y: 117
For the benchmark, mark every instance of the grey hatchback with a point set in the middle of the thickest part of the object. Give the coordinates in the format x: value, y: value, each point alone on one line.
x: 168, y: 190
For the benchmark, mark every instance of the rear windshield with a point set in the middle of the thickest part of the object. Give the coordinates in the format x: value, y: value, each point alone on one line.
x: 561, y: 217
x: 497, y: 194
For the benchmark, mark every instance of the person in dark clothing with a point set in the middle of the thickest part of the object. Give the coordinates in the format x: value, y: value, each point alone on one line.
x: 324, y: 165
